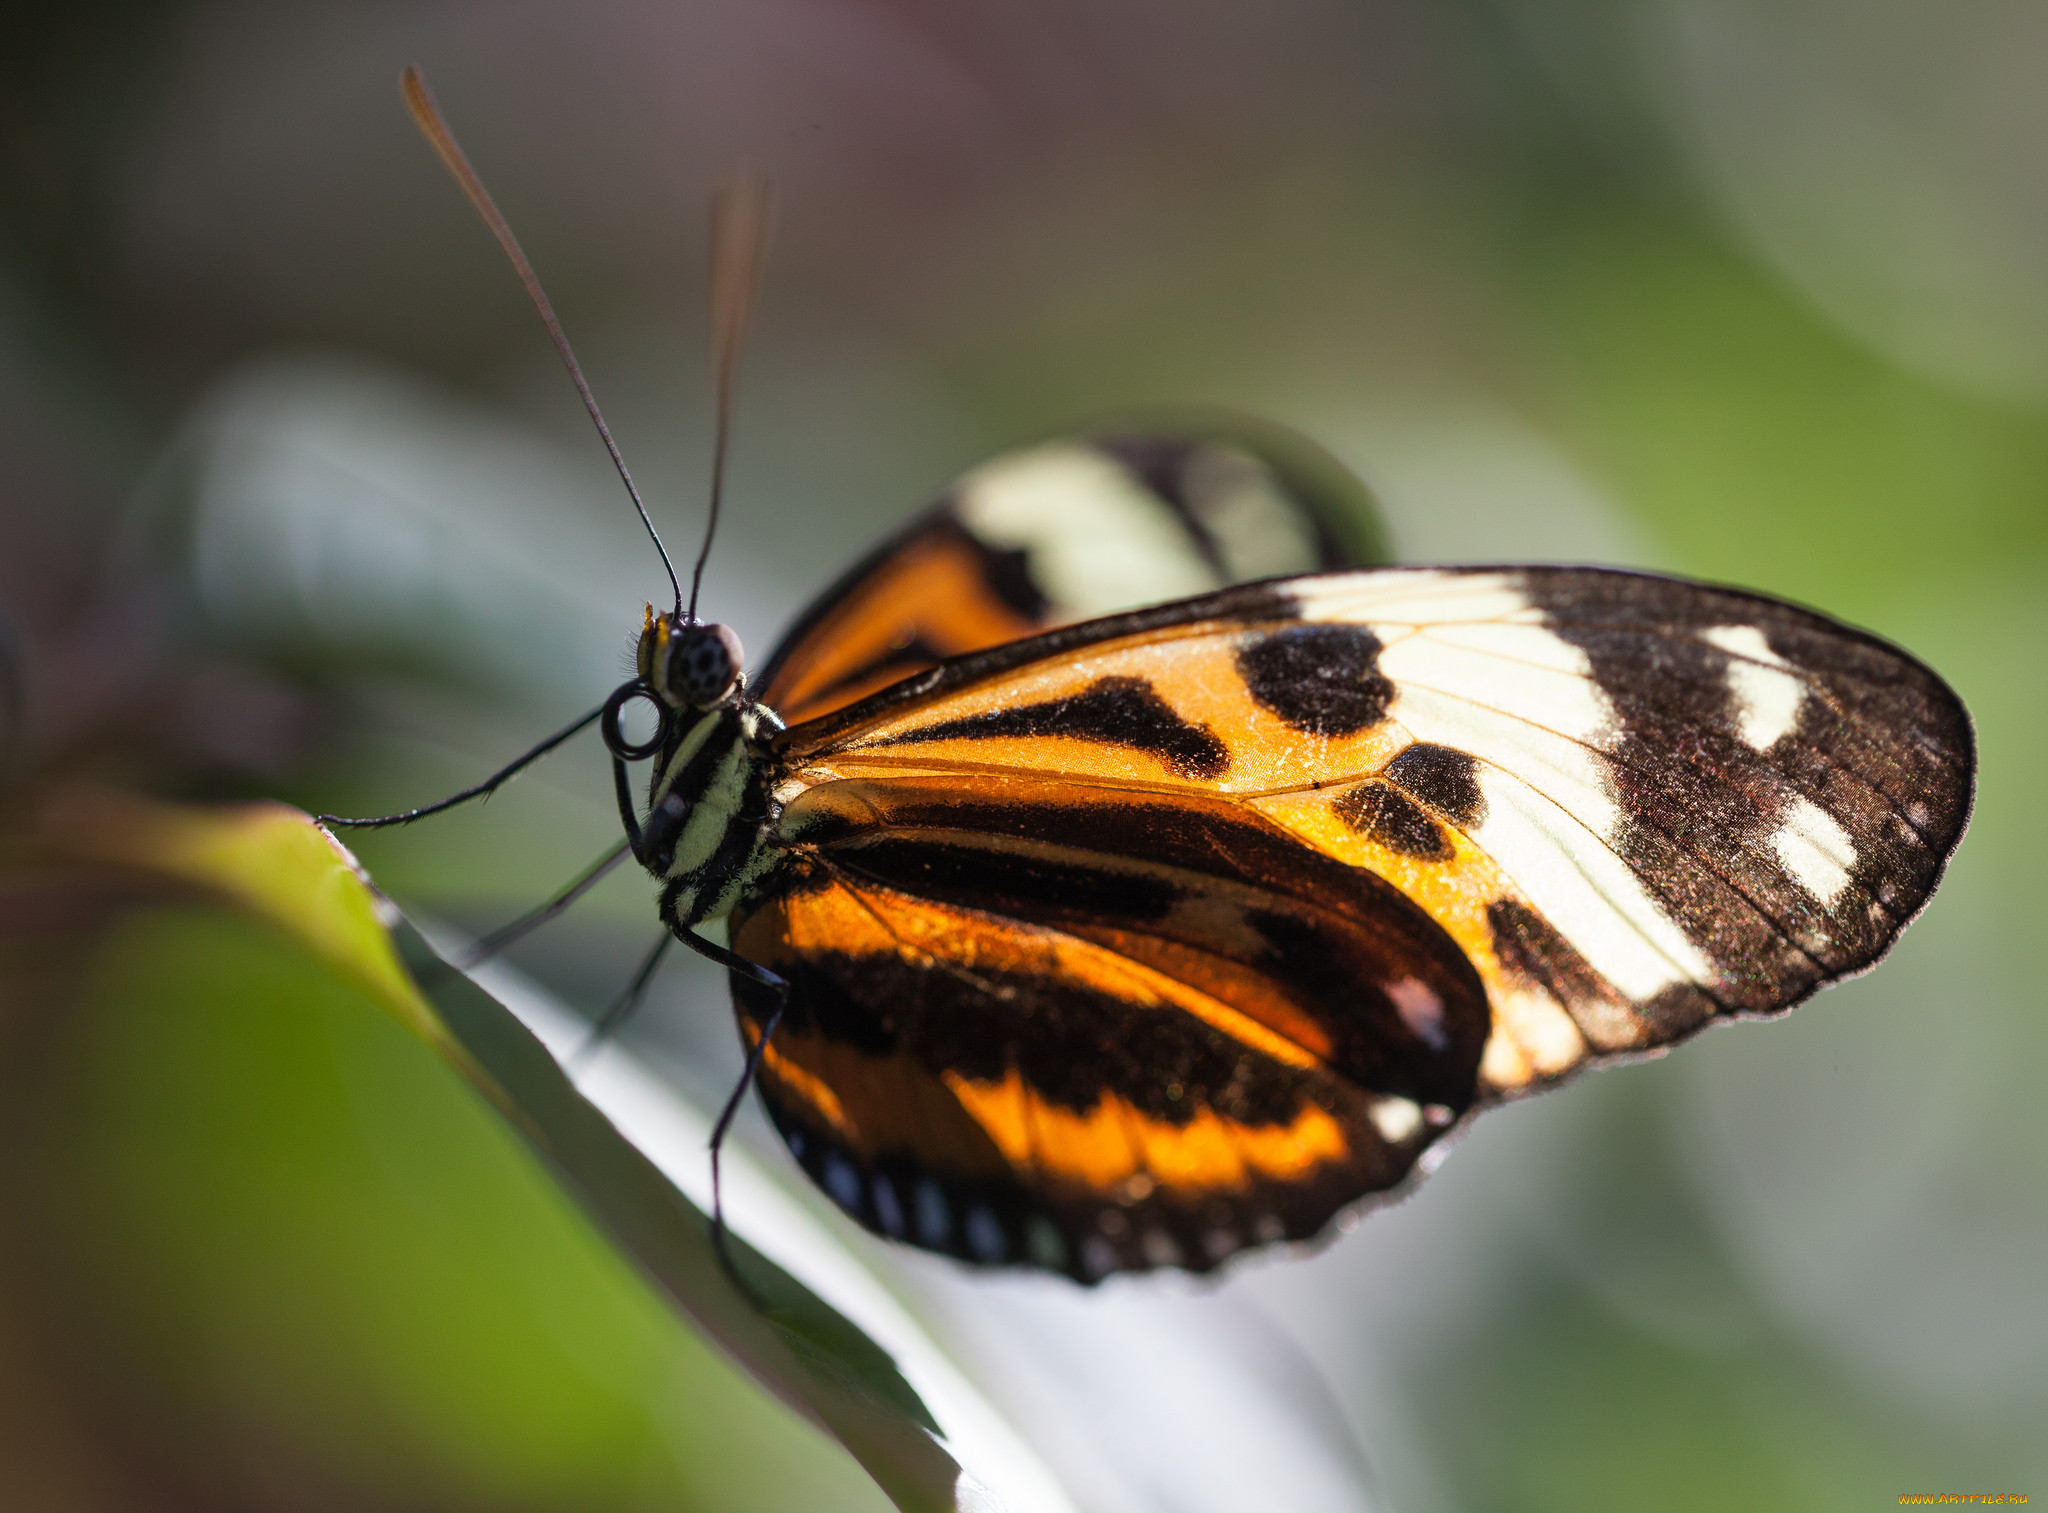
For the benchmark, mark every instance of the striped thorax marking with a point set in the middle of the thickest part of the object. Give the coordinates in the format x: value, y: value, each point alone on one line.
x: 715, y: 792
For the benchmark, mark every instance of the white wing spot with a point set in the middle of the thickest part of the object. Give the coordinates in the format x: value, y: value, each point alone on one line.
x: 1159, y: 1248
x: 1413, y: 596
x: 933, y: 1219
x: 1767, y: 696
x: 1259, y: 531
x: 1397, y: 1119
x: 888, y: 1208
x: 843, y: 1183
x: 1815, y: 850
x: 1096, y: 540
x: 985, y: 1235
x: 1522, y: 672
x: 1563, y: 770
x: 1532, y: 1036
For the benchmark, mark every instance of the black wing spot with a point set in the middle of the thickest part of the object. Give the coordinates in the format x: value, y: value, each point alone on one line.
x: 1119, y: 711
x: 1445, y: 779
x: 1323, y: 679
x: 1530, y: 947
x: 1394, y: 820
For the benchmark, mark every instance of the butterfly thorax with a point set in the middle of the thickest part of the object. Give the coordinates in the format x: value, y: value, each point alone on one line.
x: 710, y: 806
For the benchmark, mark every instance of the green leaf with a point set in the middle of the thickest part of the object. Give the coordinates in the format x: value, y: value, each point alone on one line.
x: 271, y: 864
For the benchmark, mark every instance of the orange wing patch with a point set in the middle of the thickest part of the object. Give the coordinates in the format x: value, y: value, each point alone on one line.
x: 929, y: 600
x: 1113, y: 1148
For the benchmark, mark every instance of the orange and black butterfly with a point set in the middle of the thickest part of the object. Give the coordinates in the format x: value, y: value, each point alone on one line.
x: 1102, y: 942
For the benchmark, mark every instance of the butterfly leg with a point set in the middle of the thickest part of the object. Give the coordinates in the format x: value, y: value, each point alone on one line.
x: 726, y: 1115
x: 483, y: 790
x: 490, y: 945
x: 753, y: 972
x: 622, y: 783
x: 533, y: 919
x: 622, y: 1008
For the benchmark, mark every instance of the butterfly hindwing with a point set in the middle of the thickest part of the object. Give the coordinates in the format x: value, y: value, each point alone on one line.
x: 1097, y: 1030
x: 1064, y: 531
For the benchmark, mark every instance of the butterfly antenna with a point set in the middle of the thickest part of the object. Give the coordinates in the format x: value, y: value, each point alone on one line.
x: 742, y: 214
x: 420, y: 102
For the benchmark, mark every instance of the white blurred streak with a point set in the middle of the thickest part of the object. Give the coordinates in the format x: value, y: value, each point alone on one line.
x: 1155, y: 1394
x: 1891, y: 159
x: 1376, y: 1308
x: 1151, y: 1396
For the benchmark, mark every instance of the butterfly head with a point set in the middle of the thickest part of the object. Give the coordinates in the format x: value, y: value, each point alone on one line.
x: 689, y: 665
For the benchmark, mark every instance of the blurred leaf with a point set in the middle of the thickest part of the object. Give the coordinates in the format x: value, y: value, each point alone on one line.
x: 271, y: 863
x: 1766, y: 447
x: 1559, y: 1404
x: 264, y: 858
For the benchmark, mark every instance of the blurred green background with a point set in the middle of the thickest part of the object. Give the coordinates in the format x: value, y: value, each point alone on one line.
x: 294, y: 501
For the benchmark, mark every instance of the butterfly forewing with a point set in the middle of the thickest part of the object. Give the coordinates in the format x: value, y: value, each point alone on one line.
x: 1624, y: 805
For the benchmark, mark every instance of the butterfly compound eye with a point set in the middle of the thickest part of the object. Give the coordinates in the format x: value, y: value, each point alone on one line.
x: 704, y: 663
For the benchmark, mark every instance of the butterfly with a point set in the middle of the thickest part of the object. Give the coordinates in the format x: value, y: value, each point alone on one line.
x: 1104, y: 939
